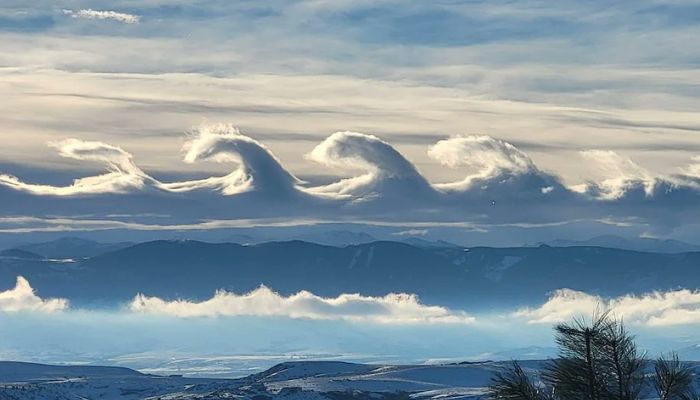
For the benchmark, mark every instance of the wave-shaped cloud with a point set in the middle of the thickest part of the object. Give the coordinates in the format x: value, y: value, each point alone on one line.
x: 676, y: 307
x: 392, y: 308
x: 622, y: 176
x: 503, y: 186
x: 488, y: 157
x: 258, y: 169
x: 22, y: 298
x: 122, y: 176
x: 388, y: 172
x: 499, y: 170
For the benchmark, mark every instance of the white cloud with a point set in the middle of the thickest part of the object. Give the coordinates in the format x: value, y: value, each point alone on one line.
x: 562, y: 305
x: 622, y: 174
x: 486, y: 156
x: 390, y: 187
x: 693, y: 169
x: 258, y: 168
x: 23, y: 298
x: 412, y: 232
x: 103, y: 14
x: 388, y: 172
x: 392, y: 308
x: 676, y: 307
x: 123, y: 174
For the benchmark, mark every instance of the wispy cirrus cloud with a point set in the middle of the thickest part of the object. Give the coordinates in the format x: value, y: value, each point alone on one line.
x: 89, y: 13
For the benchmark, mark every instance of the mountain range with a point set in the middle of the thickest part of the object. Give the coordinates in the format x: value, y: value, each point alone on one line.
x: 450, y: 275
x: 619, y: 242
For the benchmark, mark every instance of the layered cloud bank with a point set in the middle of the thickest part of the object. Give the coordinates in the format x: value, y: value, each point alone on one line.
x: 22, y: 298
x: 502, y: 185
x: 678, y: 307
x: 654, y: 310
x: 392, y: 308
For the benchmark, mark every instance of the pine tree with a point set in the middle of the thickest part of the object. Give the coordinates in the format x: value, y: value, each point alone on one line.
x: 579, y: 373
x: 512, y: 383
x: 598, y: 360
x: 673, y: 380
x: 623, y: 362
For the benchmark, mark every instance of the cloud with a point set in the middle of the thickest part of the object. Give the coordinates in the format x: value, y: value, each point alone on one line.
x: 504, y: 186
x: 489, y: 158
x: 692, y: 171
x: 411, y: 232
x: 388, y: 173
x: 22, y: 298
x: 104, y: 15
x: 392, y: 308
x: 122, y: 176
x: 500, y: 174
x: 676, y: 307
x: 622, y: 175
x: 258, y: 169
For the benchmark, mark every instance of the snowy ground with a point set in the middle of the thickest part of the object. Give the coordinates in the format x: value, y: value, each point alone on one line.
x: 292, y: 380
x: 302, y: 380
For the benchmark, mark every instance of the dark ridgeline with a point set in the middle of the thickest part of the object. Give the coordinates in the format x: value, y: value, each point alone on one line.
x: 447, y: 275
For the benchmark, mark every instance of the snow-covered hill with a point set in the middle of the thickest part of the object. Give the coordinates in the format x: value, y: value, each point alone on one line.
x: 307, y: 380
x: 291, y: 380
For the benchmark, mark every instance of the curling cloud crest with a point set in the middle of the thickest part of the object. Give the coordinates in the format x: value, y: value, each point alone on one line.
x: 122, y: 176
x: 488, y: 157
x: 677, y: 307
x: 623, y: 175
x: 388, y: 172
x: 22, y: 298
x: 258, y: 169
x: 390, y: 186
x: 392, y: 308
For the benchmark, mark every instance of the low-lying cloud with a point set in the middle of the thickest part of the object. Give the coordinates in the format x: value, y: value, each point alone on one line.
x: 22, y: 298
x: 392, y: 308
x: 656, y: 309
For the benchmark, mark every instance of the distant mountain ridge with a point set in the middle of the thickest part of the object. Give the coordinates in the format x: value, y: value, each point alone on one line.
x: 617, y: 242
x: 71, y: 247
x: 453, y: 276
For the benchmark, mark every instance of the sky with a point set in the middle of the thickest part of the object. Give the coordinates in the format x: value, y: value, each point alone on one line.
x: 236, y: 334
x: 457, y: 106
x: 518, y: 121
